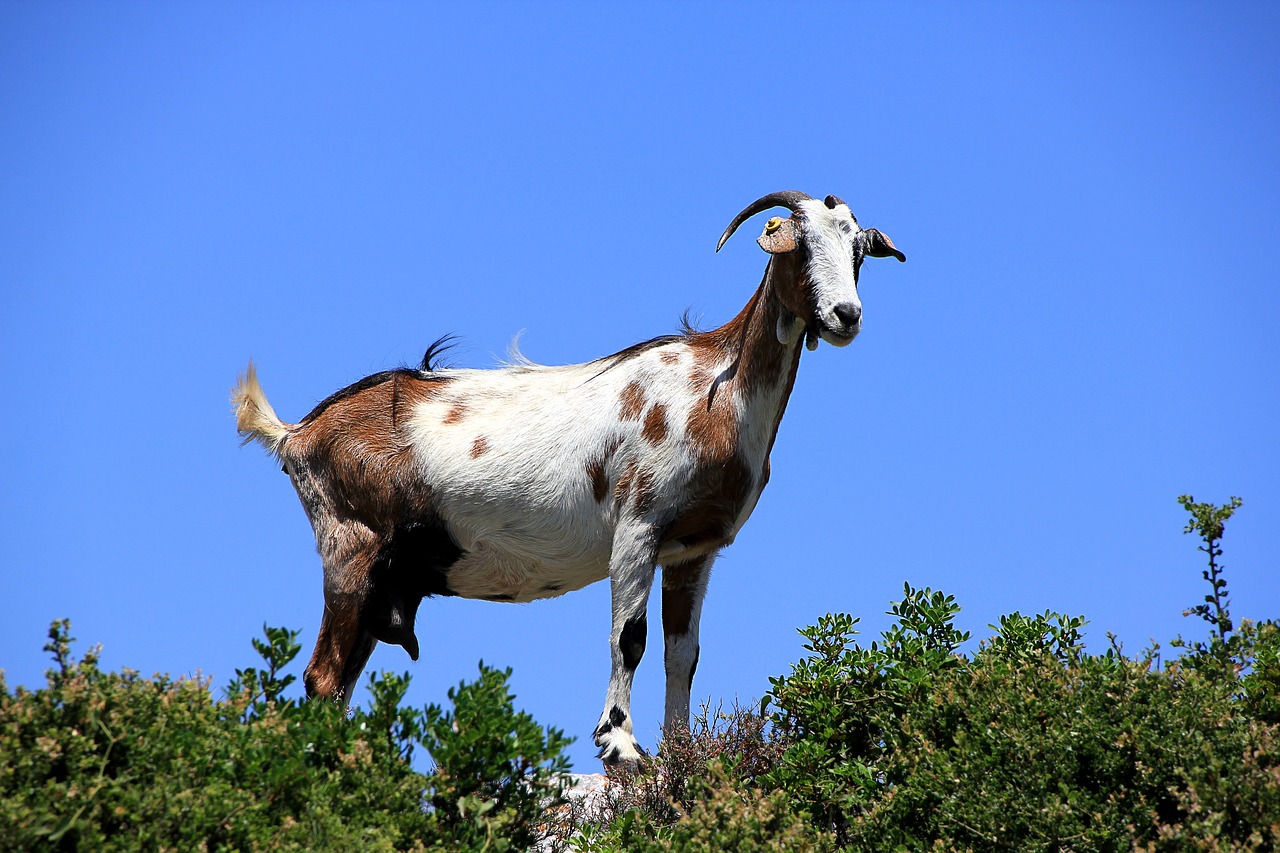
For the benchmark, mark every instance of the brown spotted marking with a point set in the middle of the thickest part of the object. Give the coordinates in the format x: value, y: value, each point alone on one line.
x: 670, y: 358
x: 479, y: 447
x: 635, y: 486
x: 622, y: 489
x: 632, y: 402
x: 712, y: 426
x: 599, y: 480
x: 597, y: 473
x: 644, y: 496
x: 456, y: 413
x: 655, y: 425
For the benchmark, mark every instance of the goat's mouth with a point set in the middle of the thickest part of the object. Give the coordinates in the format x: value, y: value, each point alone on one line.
x: 840, y: 336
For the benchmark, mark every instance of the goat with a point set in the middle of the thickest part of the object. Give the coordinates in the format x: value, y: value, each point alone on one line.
x: 526, y: 482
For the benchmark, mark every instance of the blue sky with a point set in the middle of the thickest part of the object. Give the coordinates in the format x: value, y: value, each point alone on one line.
x: 1085, y: 328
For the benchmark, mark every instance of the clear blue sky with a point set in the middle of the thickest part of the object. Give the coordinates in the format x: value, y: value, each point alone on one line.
x: 1085, y: 328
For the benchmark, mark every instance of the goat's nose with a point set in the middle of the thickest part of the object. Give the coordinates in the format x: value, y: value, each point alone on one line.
x: 849, y: 313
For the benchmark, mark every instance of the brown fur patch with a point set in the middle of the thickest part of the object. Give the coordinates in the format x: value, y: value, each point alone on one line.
x: 749, y: 345
x: 479, y: 447
x: 599, y: 480
x: 352, y: 463
x: 670, y: 358
x: 456, y: 413
x: 337, y: 640
x: 597, y: 470
x: 632, y: 402
x: 712, y: 426
x: 348, y: 552
x: 680, y: 583
x: 622, y: 490
x: 644, y: 495
x: 635, y: 486
x: 655, y: 425
x: 352, y: 459
x: 716, y: 498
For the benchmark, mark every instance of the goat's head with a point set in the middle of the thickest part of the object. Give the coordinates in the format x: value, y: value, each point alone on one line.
x: 822, y: 241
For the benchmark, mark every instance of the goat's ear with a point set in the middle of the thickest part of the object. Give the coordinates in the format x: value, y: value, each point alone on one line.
x: 880, y: 246
x: 780, y: 236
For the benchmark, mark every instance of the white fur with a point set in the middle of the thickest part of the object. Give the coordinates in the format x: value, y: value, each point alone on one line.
x: 828, y: 233
x: 525, y: 513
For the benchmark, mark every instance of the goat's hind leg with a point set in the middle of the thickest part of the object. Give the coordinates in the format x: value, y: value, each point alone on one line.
x: 630, y: 580
x: 349, y: 552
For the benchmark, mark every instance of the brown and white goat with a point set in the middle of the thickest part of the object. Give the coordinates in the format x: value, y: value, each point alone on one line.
x: 527, y: 481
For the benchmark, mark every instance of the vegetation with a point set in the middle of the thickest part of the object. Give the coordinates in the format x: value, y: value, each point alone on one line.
x: 1027, y: 742
x: 107, y: 761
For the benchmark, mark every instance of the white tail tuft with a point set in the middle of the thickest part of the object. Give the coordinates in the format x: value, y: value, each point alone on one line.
x: 255, y: 419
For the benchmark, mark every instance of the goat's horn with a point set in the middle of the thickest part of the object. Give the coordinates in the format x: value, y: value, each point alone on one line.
x: 790, y: 199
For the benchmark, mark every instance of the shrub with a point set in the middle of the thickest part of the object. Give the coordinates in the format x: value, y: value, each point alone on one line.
x: 113, y: 761
x: 1031, y: 743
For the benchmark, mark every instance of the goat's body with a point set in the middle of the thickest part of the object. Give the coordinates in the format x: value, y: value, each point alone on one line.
x: 532, y: 467
x: 527, y: 482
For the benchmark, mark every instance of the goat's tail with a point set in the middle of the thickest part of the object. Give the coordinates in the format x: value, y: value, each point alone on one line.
x: 255, y: 419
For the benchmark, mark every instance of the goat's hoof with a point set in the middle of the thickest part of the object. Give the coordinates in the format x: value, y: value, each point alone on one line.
x: 620, y: 752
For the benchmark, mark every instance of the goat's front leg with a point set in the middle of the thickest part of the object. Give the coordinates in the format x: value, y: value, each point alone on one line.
x: 684, y: 585
x: 630, y: 579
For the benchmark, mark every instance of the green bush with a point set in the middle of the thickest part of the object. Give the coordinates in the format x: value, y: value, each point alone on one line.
x: 1031, y: 743
x: 107, y: 761
x: 702, y: 792
x: 722, y: 815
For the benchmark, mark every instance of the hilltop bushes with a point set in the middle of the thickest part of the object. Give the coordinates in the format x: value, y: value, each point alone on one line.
x: 111, y: 761
x: 1029, y: 742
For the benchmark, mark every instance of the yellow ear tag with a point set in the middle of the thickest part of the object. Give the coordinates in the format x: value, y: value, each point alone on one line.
x: 773, y: 225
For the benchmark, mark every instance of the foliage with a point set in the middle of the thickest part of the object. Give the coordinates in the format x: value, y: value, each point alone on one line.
x: 841, y: 707
x: 1032, y: 743
x: 497, y: 770
x: 709, y: 772
x: 1029, y: 742
x: 701, y: 792
x: 722, y: 815
x: 112, y: 761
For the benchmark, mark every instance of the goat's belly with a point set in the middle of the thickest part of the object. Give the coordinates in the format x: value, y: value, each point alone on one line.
x: 493, y: 574
x: 522, y: 550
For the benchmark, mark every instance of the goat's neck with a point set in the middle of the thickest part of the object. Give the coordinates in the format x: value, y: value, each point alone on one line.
x: 761, y: 369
